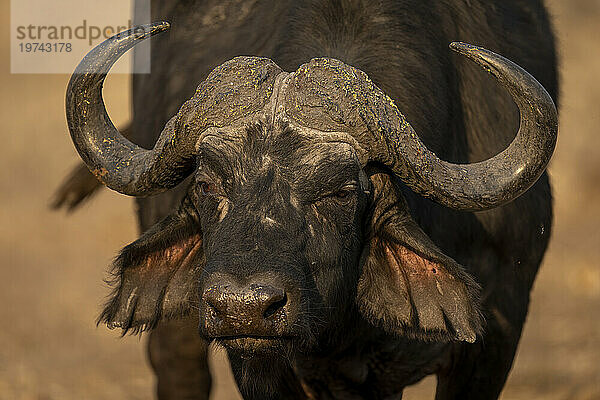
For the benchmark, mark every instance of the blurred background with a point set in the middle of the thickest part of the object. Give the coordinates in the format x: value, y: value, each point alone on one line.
x: 53, y: 265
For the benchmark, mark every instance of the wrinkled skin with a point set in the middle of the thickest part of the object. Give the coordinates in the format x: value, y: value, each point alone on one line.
x: 354, y: 335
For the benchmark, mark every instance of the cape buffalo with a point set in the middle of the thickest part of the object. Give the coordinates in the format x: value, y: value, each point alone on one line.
x: 347, y: 210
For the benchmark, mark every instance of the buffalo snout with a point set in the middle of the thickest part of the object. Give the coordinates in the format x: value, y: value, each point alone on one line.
x: 253, y: 309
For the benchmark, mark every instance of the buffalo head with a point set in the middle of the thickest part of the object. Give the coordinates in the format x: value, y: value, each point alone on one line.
x: 293, y: 225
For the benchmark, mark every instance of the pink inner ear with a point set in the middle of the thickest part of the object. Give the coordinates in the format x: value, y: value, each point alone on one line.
x: 437, y: 301
x: 165, y: 278
x: 178, y: 254
x: 401, y: 259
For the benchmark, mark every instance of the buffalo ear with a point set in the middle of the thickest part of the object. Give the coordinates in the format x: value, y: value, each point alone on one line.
x: 156, y: 276
x: 408, y: 286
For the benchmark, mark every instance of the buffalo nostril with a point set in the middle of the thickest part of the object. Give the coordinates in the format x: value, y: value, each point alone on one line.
x: 215, y: 298
x: 276, y: 303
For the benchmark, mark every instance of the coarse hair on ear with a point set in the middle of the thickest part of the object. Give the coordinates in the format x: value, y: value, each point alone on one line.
x: 408, y: 287
x: 156, y: 276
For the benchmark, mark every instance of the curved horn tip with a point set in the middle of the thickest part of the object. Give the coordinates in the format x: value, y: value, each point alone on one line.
x: 162, y: 25
x: 461, y: 47
x: 476, y: 53
x: 145, y: 31
x: 157, y: 27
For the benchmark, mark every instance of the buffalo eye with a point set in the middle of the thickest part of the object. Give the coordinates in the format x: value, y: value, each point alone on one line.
x: 342, y: 194
x: 207, y: 188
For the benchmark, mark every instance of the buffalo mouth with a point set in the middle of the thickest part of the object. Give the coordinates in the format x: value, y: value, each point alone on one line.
x: 252, y: 344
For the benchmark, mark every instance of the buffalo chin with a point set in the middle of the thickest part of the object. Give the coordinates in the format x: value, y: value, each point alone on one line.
x: 247, y: 347
x: 262, y: 367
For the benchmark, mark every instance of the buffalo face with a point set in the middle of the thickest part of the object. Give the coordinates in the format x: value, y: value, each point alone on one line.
x: 281, y: 220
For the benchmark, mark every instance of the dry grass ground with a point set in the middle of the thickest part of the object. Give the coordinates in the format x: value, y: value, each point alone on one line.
x: 52, y: 266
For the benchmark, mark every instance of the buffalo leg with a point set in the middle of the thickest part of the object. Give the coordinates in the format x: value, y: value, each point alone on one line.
x: 179, y: 358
